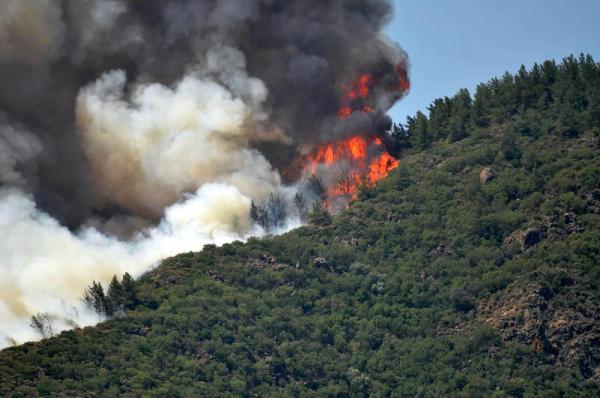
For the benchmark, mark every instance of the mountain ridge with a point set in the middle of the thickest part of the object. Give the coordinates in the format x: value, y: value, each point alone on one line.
x: 471, y: 270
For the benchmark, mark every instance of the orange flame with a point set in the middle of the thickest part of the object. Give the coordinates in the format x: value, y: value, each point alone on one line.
x: 403, y: 83
x: 355, y: 94
x: 365, y: 162
x: 344, y: 111
x: 362, y: 161
x: 381, y: 167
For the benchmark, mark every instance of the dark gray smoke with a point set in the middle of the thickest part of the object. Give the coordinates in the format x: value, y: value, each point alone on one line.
x: 132, y: 130
x: 302, y: 51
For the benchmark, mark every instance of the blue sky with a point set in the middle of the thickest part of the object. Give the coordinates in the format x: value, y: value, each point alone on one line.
x: 459, y: 43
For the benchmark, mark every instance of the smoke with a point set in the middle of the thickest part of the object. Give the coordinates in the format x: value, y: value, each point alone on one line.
x: 31, y: 31
x: 181, y: 153
x: 45, y: 266
x: 159, y: 142
x: 131, y: 131
x: 18, y: 149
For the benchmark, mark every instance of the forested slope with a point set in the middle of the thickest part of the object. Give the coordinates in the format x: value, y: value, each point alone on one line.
x: 471, y: 270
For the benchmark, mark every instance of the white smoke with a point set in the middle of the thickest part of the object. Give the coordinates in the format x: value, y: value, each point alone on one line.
x: 150, y: 147
x: 45, y: 267
x: 182, y: 153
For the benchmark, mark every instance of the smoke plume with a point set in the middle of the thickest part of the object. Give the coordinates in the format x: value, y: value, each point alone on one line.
x: 134, y: 130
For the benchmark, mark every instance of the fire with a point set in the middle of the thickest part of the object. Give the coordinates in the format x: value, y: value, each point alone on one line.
x: 344, y: 111
x: 350, y: 164
x: 361, y: 88
x: 403, y: 83
x: 356, y: 94
x: 381, y: 167
x: 346, y: 165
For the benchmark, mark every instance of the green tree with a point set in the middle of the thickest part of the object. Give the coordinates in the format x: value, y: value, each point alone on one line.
x: 319, y: 215
x: 129, y: 291
x: 440, y: 113
x: 482, y: 105
x: 417, y: 129
x: 567, y: 123
x: 458, y: 124
x: 401, y: 138
x: 115, y: 295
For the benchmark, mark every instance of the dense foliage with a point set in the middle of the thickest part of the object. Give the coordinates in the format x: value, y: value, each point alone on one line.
x: 385, y: 299
x: 550, y: 99
x: 119, y: 296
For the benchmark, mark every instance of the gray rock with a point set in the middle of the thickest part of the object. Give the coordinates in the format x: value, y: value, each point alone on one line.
x: 486, y: 175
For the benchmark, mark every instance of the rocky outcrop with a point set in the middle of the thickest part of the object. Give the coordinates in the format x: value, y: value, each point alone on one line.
x: 321, y: 262
x: 559, y: 225
x: 440, y: 250
x: 525, y: 238
x: 519, y: 314
x: 530, y: 314
x: 556, y: 226
x: 486, y: 175
x: 347, y: 240
x: 267, y: 260
x: 592, y: 201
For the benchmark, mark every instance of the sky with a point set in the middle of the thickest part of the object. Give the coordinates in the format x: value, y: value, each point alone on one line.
x: 454, y: 44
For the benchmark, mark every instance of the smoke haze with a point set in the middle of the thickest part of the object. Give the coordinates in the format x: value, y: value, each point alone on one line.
x: 131, y: 131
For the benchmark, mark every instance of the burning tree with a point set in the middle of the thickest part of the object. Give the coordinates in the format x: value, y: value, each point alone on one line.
x: 315, y: 185
x: 42, y: 324
x: 346, y: 166
x: 301, y: 206
x: 95, y: 299
x: 272, y: 213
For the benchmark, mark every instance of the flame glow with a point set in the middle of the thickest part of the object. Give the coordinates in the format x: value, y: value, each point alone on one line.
x: 356, y: 94
x: 357, y: 160
x: 360, y: 160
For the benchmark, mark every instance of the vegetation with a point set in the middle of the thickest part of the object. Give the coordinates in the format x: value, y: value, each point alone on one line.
x: 559, y: 100
x: 119, y: 297
x: 274, y: 211
x: 404, y: 294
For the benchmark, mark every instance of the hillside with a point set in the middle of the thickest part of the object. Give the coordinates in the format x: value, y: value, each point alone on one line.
x: 471, y: 270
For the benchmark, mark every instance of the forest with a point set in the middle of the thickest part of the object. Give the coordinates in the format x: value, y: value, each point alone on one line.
x: 473, y: 269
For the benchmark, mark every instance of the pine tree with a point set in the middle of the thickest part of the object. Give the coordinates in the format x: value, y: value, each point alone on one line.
x: 439, y: 116
x: 42, y: 323
x: 481, y: 105
x: 301, y: 206
x: 401, y: 138
x: 461, y: 116
x: 316, y: 186
x: 95, y: 299
x: 129, y: 291
x: 319, y: 215
x: 254, y: 212
x: 276, y: 210
x: 567, y: 123
x: 115, y: 295
x: 417, y: 129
